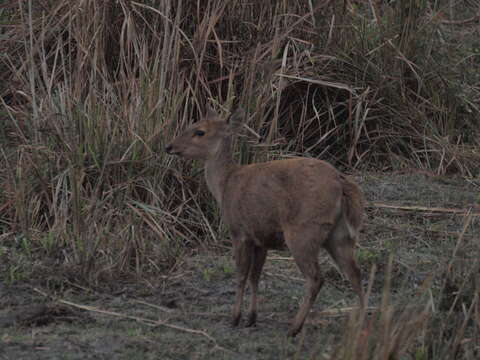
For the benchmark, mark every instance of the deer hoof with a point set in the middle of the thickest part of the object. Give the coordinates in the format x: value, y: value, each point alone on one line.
x: 252, y: 319
x: 292, y: 332
x: 235, y: 321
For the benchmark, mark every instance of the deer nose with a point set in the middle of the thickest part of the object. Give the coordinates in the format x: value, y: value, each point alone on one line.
x: 168, y: 148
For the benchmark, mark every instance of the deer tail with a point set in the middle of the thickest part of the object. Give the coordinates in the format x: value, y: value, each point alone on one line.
x: 353, y: 206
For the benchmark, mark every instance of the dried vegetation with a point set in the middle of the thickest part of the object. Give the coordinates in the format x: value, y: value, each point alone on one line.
x: 90, y: 92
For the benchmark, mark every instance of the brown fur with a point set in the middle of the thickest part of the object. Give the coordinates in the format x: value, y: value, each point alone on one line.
x: 303, y: 203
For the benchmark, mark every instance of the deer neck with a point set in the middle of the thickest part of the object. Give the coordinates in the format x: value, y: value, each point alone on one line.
x: 218, y: 169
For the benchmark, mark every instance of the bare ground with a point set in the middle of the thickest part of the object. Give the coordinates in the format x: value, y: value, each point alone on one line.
x: 414, y: 219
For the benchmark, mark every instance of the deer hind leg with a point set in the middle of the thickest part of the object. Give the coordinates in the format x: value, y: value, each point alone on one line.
x: 259, y: 255
x: 243, y: 252
x: 341, y: 246
x: 304, y: 246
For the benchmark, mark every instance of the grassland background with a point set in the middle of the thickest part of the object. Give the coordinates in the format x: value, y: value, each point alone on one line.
x: 91, y: 91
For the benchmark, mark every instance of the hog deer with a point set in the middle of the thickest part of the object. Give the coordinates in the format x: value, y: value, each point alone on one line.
x: 304, y: 203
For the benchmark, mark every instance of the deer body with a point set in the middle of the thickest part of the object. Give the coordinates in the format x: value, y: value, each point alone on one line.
x: 303, y: 203
x: 261, y: 202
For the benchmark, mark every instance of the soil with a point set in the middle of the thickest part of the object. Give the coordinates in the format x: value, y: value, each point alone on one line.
x: 186, y: 315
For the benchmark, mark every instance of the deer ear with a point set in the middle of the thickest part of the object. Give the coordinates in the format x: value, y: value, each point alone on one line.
x: 236, y: 119
x: 210, y: 113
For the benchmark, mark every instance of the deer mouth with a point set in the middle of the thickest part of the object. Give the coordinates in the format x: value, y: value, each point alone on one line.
x: 169, y: 150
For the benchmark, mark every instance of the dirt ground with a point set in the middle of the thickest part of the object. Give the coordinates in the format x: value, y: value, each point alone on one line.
x: 413, y: 218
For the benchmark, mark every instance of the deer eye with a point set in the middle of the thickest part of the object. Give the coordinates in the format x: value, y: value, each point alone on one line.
x: 199, y: 133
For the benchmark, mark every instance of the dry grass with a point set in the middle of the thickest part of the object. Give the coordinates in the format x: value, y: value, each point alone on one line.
x: 90, y: 92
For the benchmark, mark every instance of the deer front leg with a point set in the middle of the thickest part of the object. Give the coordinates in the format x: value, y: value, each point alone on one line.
x: 259, y: 256
x: 243, y: 252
